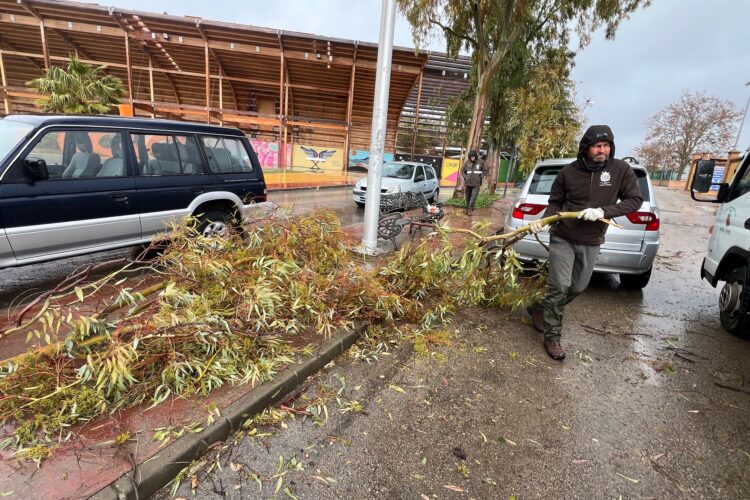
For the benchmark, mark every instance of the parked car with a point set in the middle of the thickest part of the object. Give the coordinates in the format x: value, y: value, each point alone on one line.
x: 728, y: 256
x: 629, y: 251
x: 403, y: 176
x: 71, y: 185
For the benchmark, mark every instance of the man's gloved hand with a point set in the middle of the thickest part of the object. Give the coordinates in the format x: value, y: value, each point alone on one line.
x: 591, y: 214
x: 537, y: 226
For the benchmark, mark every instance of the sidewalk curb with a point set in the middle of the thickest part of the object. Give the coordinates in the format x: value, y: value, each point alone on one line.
x: 164, y: 466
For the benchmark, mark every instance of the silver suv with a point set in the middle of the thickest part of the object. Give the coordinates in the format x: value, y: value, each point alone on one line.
x: 629, y: 251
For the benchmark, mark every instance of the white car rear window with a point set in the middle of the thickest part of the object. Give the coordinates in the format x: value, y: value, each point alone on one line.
x: 543, y: 177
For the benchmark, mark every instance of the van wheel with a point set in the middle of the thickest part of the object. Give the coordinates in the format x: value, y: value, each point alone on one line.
x: 730, y: 300
x: 435, y: 196
x: 635, y: 281
x: 213, y: 223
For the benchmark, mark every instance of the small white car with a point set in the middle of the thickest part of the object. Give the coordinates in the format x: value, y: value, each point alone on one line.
x: 401, y: 177
x: 728, y: 256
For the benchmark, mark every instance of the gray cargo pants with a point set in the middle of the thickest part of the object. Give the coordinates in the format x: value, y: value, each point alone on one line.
x: 471, y: 193
x: 570, y: 269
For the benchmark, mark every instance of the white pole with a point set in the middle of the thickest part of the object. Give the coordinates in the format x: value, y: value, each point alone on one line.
x: 379, y: 125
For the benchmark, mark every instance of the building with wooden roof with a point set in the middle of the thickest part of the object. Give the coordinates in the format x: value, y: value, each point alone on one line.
x: 278, y: 86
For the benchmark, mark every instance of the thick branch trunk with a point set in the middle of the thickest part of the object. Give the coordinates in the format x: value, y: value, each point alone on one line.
x: 492, y: 168
x: 475, y: 132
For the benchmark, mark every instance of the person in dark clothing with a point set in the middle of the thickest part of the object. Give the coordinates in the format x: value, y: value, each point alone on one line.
x: 592, y: 186
x: 472, y: 173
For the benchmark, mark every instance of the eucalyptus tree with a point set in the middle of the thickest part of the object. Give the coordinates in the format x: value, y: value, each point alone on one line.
x: 488, y: 29
x: 77, y: 88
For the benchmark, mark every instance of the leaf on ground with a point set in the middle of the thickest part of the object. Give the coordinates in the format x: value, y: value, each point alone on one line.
x: 396, y: 388
x: 634, y: 481
x: 235, y: 466
x: 504, y: 440
x: 453, y: 488
x: 321, y: 479
x: 279, y: 482
x: 484, y: 438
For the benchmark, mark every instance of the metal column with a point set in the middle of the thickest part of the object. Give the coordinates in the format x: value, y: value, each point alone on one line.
x: 379, y: 125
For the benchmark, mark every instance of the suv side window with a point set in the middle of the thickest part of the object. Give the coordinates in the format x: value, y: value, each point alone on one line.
x: 226, y: 155
x: 79, y: 154
x: 430, y: 173
x: 167, y: 154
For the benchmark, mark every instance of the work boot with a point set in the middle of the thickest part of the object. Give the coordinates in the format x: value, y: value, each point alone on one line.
x: 469, y: 211
x: 554, y: 349
x: 537, y: 318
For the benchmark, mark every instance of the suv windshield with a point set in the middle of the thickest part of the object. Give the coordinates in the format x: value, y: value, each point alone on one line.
x: 541, y: 182
x: 398, y: 170
x: 11, y: 132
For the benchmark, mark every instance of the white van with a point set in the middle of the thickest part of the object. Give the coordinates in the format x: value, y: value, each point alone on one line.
x: 728, y: 257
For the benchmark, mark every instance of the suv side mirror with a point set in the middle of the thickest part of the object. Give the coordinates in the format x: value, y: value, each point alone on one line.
x: 703, y: 177
x: 35, y: 169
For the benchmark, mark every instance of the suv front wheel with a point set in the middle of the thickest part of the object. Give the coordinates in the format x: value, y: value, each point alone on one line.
x: 635, y: 281
x: 213, y: 223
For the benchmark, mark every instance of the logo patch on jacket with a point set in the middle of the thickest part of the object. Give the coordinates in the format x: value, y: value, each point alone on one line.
x: 604, y: 179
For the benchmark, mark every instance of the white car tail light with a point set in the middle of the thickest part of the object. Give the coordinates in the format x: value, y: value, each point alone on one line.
x: 650, y: 220
x: 527, y: 209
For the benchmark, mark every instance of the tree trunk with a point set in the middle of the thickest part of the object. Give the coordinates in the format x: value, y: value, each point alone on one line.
x: 493, y: 162
x: 477, y: 126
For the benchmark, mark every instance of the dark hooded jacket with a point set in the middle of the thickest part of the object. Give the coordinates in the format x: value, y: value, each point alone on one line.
x: 582, y: 184
x: 473, y: 171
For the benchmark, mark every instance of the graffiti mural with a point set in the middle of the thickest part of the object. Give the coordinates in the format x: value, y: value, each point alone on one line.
x: 450, y: 169
x: 267, y: 153
x: 317, y: 158
x: 359, y: 159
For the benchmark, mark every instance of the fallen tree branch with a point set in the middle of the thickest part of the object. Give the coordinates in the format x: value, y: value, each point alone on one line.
x: 508, y: 239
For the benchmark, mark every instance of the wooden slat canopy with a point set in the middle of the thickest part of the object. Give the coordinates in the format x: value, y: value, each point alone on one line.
x: 276, y: 85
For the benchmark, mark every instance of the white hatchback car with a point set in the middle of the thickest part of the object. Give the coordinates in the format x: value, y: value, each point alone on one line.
x: 401, y: 177
x: 629, y: 251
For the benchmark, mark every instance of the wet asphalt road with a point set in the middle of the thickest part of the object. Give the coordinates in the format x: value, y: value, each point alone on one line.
x: 652, y: 402
x: 20, y: 284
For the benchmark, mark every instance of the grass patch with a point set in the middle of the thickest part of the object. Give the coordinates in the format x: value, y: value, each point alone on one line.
x: 484, y: 200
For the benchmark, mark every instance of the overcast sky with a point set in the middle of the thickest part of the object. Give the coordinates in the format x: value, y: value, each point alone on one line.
x: 671, y: 46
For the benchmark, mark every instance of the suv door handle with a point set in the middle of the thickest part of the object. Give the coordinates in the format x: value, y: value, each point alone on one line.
x: 119, y: 196
x: 747, y: 224
x: 199, y: 190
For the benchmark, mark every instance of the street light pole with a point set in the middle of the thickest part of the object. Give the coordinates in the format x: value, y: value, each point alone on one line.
x: 742, y: 122
x: 379, y: 125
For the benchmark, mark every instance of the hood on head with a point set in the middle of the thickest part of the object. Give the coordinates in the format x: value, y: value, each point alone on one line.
x: 474, y: 154
x: 594, y: 134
